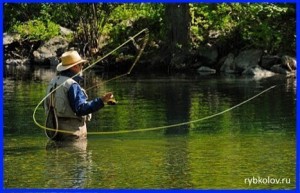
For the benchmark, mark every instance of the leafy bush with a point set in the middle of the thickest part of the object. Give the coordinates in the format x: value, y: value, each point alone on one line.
x: 134, y: 15
x: 267, y: 26
x: 37, y: 29
x: 260, y: 24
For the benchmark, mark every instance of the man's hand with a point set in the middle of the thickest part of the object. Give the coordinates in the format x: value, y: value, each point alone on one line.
x: 105, y: 98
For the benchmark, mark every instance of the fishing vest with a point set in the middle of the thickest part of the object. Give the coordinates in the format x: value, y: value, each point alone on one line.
x: 61, y: 101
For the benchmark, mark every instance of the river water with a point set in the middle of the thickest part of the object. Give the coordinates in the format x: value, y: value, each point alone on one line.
x: 249, y: 147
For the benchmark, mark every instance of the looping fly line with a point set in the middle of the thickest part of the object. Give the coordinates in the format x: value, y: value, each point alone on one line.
x: 183, y: 123
x: 146, y: 38
x: 122, y: 75
x: 141, y: 50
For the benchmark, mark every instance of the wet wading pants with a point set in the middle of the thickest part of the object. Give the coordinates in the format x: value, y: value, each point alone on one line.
x: 76, y: 129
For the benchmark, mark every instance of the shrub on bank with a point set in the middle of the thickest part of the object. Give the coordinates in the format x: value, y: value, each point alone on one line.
x: 37, y: 29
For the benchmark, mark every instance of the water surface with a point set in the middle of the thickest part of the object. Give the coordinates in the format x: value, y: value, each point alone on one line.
x: 255, y: 140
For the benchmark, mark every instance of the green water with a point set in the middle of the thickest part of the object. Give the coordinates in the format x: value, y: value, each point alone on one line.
x: 255, y: 140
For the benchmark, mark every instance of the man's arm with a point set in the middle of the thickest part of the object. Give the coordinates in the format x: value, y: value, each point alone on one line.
x: 79, y: 104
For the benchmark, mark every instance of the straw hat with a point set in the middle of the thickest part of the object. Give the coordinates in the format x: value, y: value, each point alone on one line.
x: 68, y: 60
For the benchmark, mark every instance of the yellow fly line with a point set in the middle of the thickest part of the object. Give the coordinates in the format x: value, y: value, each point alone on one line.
x: 117, y: 77
x: 183, y: 123
x: 146, y: 37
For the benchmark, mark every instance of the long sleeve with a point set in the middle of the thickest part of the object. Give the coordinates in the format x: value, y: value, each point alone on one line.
x: 78, y: 101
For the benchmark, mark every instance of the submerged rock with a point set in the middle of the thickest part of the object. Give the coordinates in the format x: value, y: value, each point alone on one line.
x: 247, y: 59
x: 16, y: 66
x: 228, y: 65
x: 17, y: 62
x: 279, y: 69
x: 268, y: 61
x: 257, y: 72
x: 206, y: 70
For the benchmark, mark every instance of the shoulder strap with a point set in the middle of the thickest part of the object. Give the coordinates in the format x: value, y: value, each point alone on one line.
x: 52, y: 97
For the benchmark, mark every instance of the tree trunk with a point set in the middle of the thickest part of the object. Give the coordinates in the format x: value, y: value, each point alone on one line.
x: 177, y: 19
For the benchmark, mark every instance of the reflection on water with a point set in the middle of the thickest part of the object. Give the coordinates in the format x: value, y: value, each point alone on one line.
x: 254, y: 140
x: 67, y: 160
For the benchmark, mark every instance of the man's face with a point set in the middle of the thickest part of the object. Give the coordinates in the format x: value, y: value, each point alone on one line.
x: 80, y: 67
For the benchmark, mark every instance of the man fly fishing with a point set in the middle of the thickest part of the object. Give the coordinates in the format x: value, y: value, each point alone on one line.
x: 68, y: 107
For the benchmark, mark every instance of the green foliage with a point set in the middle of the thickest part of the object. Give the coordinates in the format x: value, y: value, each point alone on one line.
x: 267, y: 26
x: 37, y: 29
x: 19, y: 12
x: 260, y: 24
x: 138, y: 16
x: 128, y: 19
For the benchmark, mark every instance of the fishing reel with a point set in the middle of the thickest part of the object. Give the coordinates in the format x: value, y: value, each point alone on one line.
x: 112, y: 101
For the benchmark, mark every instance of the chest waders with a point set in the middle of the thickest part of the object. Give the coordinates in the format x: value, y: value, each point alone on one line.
x: 51, y: 121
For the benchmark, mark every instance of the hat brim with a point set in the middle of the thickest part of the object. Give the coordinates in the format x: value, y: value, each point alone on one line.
x: 60, y: 67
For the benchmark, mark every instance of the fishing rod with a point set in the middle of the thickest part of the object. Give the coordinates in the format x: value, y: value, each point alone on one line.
x: 146, y: 38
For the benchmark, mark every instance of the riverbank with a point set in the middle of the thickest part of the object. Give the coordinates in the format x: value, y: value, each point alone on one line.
x: 206, y: 60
